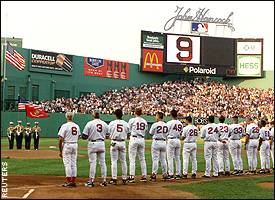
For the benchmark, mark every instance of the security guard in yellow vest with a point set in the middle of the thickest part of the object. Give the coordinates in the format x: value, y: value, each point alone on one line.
x: 28, y: 131
x: 36, y: 132
x: 19, y: 134
x: 10, y: 133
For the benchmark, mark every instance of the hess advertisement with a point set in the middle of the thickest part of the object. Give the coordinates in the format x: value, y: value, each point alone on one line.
x: 106, y: 68
x: 50, y: 62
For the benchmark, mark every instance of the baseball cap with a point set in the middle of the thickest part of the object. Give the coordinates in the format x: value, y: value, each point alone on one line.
x: 11, y: 123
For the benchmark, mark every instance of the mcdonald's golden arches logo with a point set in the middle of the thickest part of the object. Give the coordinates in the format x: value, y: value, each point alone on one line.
x: 152, y: 60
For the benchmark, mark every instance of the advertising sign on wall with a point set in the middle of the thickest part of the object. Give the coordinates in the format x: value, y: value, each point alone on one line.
x: 50, y: 62
x: 106, y: 68
x: 152, y: 60
x: 249, y: 65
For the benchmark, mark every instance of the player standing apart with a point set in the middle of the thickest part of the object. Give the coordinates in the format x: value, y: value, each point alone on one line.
x: 68, y: 136
x: 118, y: 130
x: 189, y: 135
x: 10, y: 133
x: 223, y: 148
x: 236, y: 132
x: 272, y: 142
x: 210, y: 134
x: 159, y: 131
x: 251, y: 145
x: 264, y: 147
x: 95, y: 131
x: 138, y: 127
x: 173, y: 145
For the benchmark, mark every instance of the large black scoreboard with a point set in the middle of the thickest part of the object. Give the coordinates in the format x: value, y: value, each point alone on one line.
x: 200, y: 55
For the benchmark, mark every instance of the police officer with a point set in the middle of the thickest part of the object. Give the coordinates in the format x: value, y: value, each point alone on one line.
x: 28, y: 131
x: 10, y: 133
x: 36, y: 131
x: 19, y: 134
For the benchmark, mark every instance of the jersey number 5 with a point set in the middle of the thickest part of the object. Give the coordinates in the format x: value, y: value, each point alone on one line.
x: 119, y: 127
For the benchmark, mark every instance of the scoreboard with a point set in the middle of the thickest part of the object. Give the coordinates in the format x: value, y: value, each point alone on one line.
x: 200, y: 55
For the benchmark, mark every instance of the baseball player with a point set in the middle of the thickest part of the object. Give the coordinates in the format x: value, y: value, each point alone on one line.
x: 223, y: 148
x: 236, y: 131
x: 19, y: 134
x: 36, y: 134
x: 189, y: 135
x: 95, y: 131
x: 28, y: 131
x: 118, y: 130
x: 173, y: 145
x: 272, y: 142
x: 68, y: 137
x: 264, y: 147
x: 138, y: 128
x: 210, y: 134
x: 159, y: 131
x: 10, y: 133
x: 251, y: 145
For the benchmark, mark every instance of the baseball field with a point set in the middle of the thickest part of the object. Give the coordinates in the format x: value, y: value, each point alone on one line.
x: 40, y: 174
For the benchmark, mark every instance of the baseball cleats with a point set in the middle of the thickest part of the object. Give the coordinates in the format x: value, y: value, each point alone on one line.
x: 103, y: 184
x: 262, y: 171
x: 69, y: 185
x: 131, y: 179
x: 178, y: 177
x: 165, y: 177
x: 169, y: 177
x: 235, y: 172
x: 184, y: 176
x: 193, y: 176
x: 89, y: 184
x: 215, y: 176
x: 124, y: 181
x: 267, y: 171
x: 227, y: 173
x: 240, y: 172
x: 221, y: 173
x: 204, y: 176
x: 143, y: 179
x: 153, y: 177
x: 113, y: 181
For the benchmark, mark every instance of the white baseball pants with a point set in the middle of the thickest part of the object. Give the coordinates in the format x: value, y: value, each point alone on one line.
x: 210, y: 154
x: 272, y: 153
x: 158, y: 151
x: 69, y: 154
x: 189, y: 150
x: 137, y: 147
x: 97, y: 150
x: 223, y: 157
x: 252, y: 154
x: 265, y: 155
x: 235, y: 147
x: 118, y: 151
x: 173, y: 152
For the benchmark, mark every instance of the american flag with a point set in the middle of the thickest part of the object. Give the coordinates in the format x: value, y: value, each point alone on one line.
x: 14, y: 58
x: 22, y: 106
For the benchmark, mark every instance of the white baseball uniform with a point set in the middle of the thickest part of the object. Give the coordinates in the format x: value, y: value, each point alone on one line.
x: 173, y: 146
x: 118, y: 130
x: 70, y: 132
x: 252, y: 131
x: 96, y: 131
x: 210, y: 134
x: 159, y: 131
x: 190, y: 134
x: 223, y: 148
x: 265, y: 148
x: 138, y: 128
x: 272, y: 146
x: 236, y: 131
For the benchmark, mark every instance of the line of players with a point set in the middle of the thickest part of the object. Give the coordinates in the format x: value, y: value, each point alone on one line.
x: 19, y: 132
x: 219, y: 140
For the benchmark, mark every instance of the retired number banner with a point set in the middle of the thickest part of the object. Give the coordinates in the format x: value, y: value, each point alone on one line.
x: 106, y: 68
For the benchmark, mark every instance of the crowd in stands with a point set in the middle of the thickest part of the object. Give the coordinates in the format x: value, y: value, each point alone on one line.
x: 198, y: 98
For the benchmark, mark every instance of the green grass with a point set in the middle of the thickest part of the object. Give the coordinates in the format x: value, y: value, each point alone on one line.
x: 55, y: 166
x: 243, y: 188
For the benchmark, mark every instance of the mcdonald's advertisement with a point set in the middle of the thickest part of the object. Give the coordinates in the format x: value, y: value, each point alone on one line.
x: 152, y: 60
x: 106, y: 68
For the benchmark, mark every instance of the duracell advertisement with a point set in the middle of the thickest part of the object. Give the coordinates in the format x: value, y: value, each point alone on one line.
x: 51, y: 62
x: 106, y: 68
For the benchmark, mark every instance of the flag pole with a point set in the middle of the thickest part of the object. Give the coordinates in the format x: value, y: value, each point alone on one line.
x: 4, y: 65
